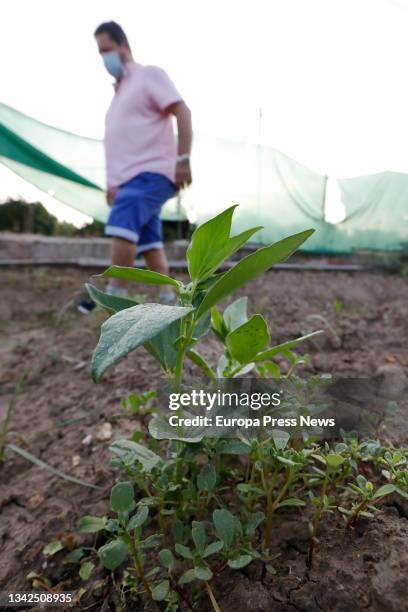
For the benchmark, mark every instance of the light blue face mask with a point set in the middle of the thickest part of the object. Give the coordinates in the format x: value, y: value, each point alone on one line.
x: 113, y: 63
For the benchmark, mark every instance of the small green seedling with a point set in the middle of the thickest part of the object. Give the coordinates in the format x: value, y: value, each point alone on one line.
x: 198, y: 556
x: 367, y: 499
x: 124, y: 532
x: 394, y: 467
x: 137, y: 404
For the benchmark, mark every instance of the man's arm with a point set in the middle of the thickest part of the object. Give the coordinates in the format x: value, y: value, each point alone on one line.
x: 185, y: 136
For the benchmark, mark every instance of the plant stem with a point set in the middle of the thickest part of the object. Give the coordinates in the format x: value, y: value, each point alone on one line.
x: 161, y: 519
x: 271, y: 506
x: 360, y: 508
x: 178, y: 371
x: 214, y: 603
x: 269, y: 515
x: 138, y: 566
x: 179, y: 463
x: 186, y: 332
x: 317, y: 517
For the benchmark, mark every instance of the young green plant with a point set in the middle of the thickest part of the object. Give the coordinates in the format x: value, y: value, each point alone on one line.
x: 169, y: 333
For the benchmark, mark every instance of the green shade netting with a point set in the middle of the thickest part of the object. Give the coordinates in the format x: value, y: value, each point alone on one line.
x: 271, y: 189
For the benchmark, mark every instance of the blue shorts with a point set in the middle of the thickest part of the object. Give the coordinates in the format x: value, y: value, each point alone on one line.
x: 135, y: 212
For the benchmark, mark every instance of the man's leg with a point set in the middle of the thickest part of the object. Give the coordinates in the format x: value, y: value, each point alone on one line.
x: 156, y: 260
x: 123, y: 254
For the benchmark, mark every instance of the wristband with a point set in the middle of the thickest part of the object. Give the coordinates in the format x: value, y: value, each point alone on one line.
x: 183, y: 157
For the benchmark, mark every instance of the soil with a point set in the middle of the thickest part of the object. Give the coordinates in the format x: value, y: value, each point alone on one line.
x: 60, y: 412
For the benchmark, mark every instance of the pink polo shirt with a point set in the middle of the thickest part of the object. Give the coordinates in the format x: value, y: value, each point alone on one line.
x: 139, y: 135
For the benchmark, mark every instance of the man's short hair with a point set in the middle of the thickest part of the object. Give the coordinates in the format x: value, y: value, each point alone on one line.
x: 114, y: 30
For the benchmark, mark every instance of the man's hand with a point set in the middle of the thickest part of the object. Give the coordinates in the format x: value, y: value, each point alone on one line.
x: 110, y: 196
x: 185, y: 134
x: 183, y: 174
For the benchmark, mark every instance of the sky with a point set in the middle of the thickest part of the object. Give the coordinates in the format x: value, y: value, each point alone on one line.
x: 323, y: 81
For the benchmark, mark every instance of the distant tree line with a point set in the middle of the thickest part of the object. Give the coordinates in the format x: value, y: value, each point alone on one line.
x: 33, y: 218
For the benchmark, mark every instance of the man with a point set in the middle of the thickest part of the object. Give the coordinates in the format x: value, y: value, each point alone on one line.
x: 145, y: 163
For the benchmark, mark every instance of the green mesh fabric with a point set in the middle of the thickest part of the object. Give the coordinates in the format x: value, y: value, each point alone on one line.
x: 271, y: 189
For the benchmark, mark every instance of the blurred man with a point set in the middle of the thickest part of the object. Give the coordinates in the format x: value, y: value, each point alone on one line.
x: 145, y: 163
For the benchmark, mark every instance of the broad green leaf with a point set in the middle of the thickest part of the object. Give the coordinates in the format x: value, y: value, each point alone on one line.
x: 91, y: 524
x: 139, y: 518
x: 166, y: 557
x: 130, y: 451
x: 281, y: 348
x: 86, y: 570
x: 138, y: 275
x: 250, y: 267
x: 203, y: 253
x: 213, y: 548
x: 122, y: 497
x: 130, y: 328
x: 183, y: 551
x: 203, y: 572
x: 201, y: 363
x: 162, y: 346
x: 224, y: 524
x: 161, y: 590
x: 113, y: 553
x: 334, y: 461
x: 236, y: 242
x: 241, y: 561
x: 199, y: 536
x: 247, y: 340
x: 385, y: 490
x: 236, y: 313
x: 292, y: 501
x: 188, y: 576
x: 110, y: 302
x: 202, y: 327
x: 207, y: 478
x: 52, y: 548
